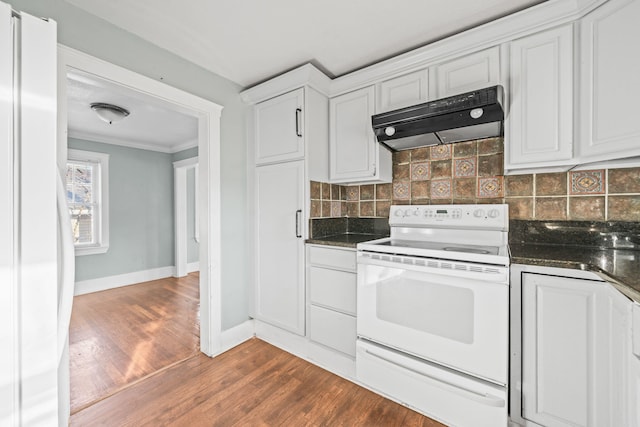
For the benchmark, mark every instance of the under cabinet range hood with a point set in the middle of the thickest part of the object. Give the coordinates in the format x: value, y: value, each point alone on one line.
x: 472, y: 115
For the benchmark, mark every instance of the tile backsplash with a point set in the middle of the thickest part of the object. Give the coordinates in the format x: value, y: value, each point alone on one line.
x: 472, y: 172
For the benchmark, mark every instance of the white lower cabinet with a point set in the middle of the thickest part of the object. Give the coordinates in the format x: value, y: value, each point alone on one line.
x: 331, y: 279
x: 575, y: 352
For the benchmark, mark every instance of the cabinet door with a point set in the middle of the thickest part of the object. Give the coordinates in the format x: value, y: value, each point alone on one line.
x: 609, y: 83
x: 404, y: 91
x: 471, y: 72
x: 574, y: 347
x: 278, y: 128
x: 279, y: 245
x: 353, y: 149
x: 541, y: 113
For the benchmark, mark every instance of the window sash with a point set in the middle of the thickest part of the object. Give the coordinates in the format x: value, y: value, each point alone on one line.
x: 85, y: 187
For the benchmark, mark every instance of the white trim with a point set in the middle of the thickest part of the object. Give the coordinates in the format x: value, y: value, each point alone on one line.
x: 236, y: 335
x: 9, y: 302
x: 331, y: 360
x: 184, y: 146
x: 208, y: 114
x: 193, y: 266
x: 180, y: 191
x: 534, y: 19
x: 103, y: 195
x: 305, y: 75
x: 89, y: 136
x: 110, y: 282
x: 186, y: 163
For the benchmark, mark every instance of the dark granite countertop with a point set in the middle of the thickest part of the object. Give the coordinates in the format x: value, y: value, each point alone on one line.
x: 611, y: 250
x: 346, y: 232
x: 345, y: 240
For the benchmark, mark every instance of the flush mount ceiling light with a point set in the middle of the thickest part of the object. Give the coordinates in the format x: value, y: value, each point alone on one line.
x: 108, y: 112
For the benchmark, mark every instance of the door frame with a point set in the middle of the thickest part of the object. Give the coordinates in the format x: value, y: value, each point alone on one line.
x: 181, y: 212
x: 208, y: 115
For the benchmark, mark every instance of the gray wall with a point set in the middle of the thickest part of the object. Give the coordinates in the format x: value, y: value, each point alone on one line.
x: 90, y: 34
x: 141, y: 220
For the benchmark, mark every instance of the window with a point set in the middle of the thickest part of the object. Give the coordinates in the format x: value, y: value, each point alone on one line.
x: 87, y: 198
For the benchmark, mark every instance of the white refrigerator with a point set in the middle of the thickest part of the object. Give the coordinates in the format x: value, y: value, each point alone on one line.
x: 34, y: 306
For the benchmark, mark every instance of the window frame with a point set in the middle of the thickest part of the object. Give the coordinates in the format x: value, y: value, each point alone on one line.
x: 102, y: 204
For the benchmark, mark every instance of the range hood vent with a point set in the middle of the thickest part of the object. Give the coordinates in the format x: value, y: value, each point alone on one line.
x: 472, y: 115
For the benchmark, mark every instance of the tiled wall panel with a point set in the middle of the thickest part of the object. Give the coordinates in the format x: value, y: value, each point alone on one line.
x: 472, y: 172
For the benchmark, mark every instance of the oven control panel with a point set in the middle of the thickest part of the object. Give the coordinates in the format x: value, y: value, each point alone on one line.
x: 459, y: 216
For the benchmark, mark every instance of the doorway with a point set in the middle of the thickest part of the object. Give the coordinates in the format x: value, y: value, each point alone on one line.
x: 208, y: 122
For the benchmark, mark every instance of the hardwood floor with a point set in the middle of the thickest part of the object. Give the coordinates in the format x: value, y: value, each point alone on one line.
x: 135, y: 362
x: 119, y: 336
x: 254, y: 384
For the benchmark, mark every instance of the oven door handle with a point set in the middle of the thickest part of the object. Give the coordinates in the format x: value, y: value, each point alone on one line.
x: 484, y: 398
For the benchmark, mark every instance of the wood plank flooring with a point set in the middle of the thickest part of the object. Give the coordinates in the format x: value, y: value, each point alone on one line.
x: 118, y: 336
x: 254, y: 384
x: 135, y: 362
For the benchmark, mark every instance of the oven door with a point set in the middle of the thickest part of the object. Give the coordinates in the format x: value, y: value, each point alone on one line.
x: 451, y: 313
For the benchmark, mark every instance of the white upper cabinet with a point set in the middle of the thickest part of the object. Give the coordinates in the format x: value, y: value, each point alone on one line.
x: 539, y: 129
x: 279, y: 129
x: 467, y: 73
x: 610, y: 82
x: 355, y: 155
x: 404, y: 91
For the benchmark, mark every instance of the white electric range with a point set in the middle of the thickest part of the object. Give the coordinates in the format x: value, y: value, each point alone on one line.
x: 433, y: 310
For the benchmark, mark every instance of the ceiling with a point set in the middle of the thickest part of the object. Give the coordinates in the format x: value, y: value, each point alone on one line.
x: 249, y: 41
x: 153, y: 124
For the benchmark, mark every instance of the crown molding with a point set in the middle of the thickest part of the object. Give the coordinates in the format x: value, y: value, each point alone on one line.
x: 305, y: 75
x: 88, y: 136
x: 540, y: 17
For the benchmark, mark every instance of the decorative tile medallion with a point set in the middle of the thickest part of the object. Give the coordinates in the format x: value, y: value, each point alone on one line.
x: 587, y: 182
x: 464, y: 167
x: 490, y: 187
x: 353, y: 193
x: 441, y: 152
x: 441, y: 189
x: 401, y: 190
x: 419, y: 171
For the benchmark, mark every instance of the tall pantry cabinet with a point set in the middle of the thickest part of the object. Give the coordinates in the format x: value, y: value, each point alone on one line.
x: 290, y: 134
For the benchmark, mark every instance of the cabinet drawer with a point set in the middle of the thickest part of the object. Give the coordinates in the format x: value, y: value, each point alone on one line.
x: 332, y: 288
x: 333, y: 329
x: 330, y: 257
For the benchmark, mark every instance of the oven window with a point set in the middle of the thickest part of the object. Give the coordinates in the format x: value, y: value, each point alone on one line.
x: 443, y: 310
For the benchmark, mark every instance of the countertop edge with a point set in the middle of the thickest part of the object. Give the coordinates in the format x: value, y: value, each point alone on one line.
x: 622, y: 287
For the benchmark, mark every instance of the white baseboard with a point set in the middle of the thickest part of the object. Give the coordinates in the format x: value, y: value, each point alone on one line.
x: 331, y: 360
x: 103, y: 283
x: 236, y: 335
x: 193, y: 266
